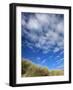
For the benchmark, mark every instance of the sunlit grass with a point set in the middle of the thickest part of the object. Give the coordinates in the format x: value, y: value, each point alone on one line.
x: 29, y: 69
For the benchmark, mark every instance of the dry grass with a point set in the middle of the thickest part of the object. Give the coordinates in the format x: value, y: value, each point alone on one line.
x: 32, y: 70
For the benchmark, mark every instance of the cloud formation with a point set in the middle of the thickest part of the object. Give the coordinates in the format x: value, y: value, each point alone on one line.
x: 44, y: 31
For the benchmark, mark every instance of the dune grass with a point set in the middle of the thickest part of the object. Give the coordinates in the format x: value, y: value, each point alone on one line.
x: 29, y: 69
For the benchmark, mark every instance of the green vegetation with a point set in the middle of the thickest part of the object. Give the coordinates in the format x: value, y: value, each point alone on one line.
x: 32, y: 70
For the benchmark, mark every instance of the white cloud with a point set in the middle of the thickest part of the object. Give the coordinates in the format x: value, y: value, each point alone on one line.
x: 60, y: 66
x: 60, y: 43
x: 60, y: 27
x: 43, y: 61
x: 56, y: 49
x: 44, y: 31
x: 38, y: 58
x: 62, y: 52
x: 45, y: 51
x: 23, y: 22
x: 58, y: 56
x: 60, y: 61
x: 43, y: 19
x: 33, y: 24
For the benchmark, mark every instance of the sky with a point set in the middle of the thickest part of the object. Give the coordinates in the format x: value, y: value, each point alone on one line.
x: 42, y: 39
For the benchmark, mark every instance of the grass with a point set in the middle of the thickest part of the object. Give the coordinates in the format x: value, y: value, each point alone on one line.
x: 29, y: 69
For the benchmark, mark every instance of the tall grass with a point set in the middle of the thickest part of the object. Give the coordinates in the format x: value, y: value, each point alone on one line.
x: 29, y: 69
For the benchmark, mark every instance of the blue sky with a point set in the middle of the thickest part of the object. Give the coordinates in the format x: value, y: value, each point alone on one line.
x: 43, y: 39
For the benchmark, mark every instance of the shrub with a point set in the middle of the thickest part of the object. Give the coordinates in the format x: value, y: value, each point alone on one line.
x: 37, y: 71
x: 24, y: 66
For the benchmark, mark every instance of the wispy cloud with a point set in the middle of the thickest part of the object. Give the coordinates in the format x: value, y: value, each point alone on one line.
x: 56, y: 49
x: 60, y: 66
x: 38, y: 58
x: 60, y: 61
x: 43, y: 61
x: 45, y: 31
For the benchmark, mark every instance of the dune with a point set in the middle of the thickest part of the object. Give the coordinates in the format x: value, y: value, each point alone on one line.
x: 28, y: 69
